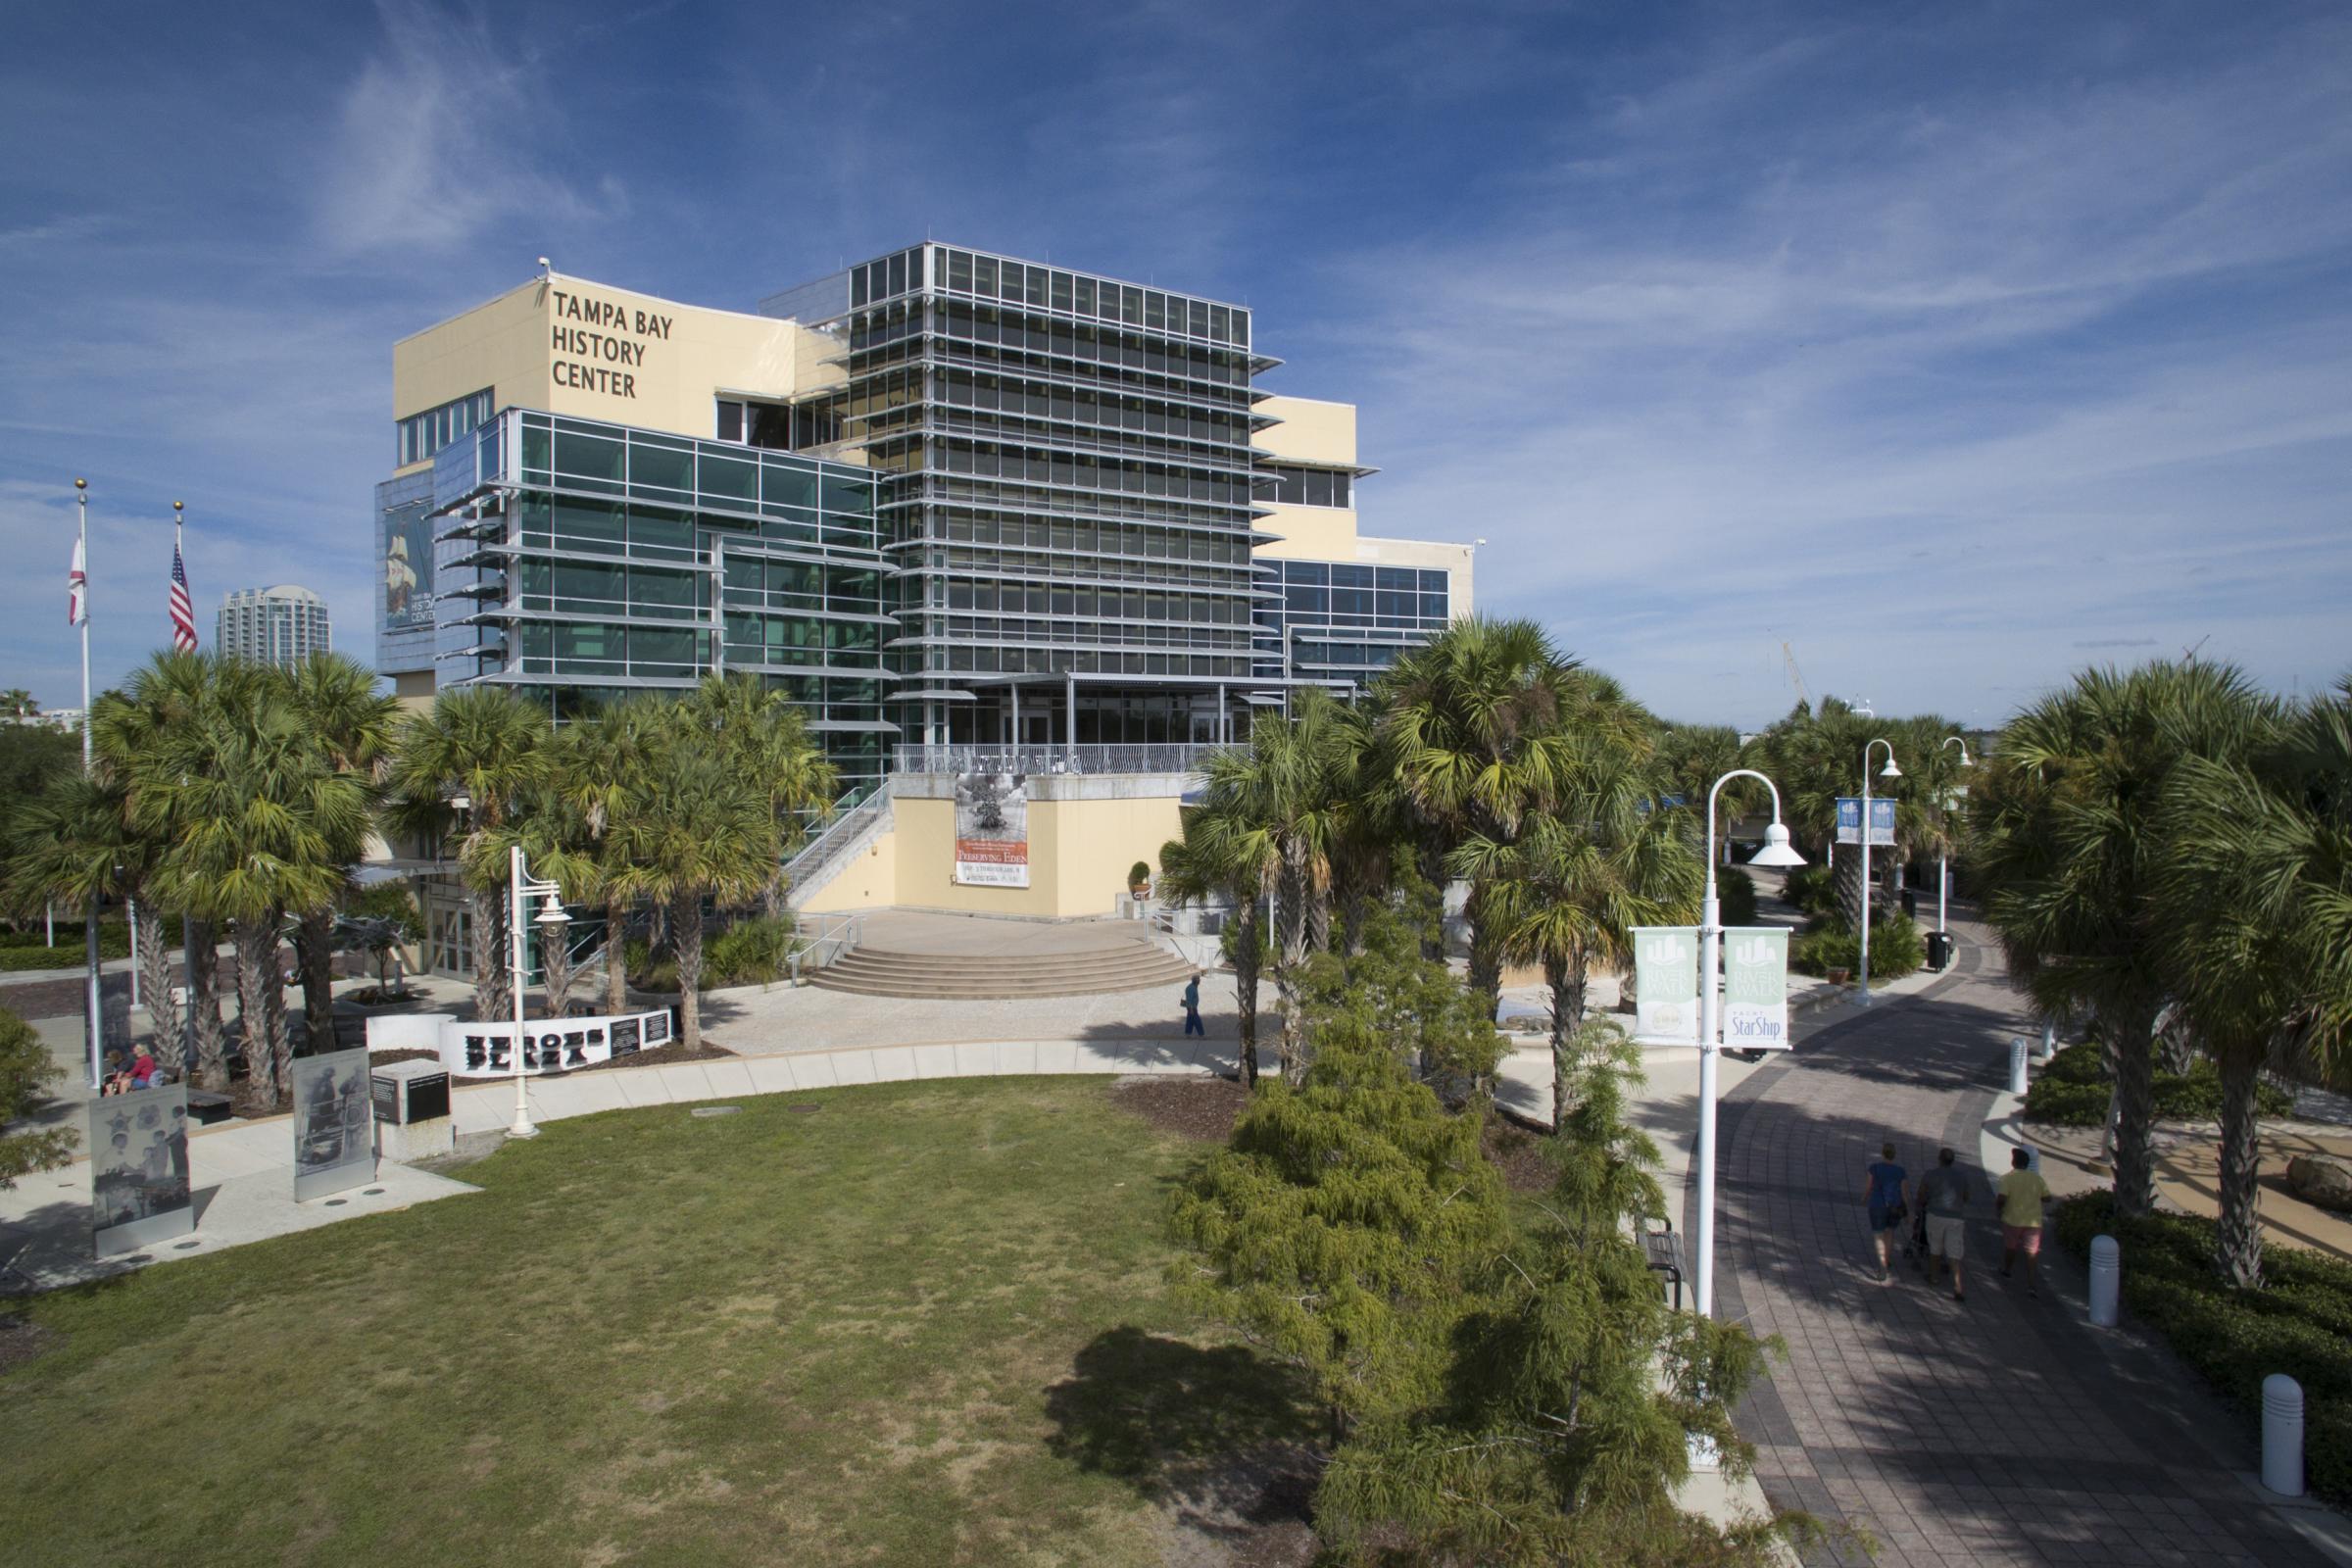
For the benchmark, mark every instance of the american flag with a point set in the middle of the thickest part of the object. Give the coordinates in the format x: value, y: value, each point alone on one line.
x: 77, y: 582
x: 183, y: 613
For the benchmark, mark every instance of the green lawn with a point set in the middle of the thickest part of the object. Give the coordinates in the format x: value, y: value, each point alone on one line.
x: 926, y: 1323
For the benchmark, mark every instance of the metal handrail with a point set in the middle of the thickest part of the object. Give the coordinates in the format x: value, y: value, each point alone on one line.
x: 847, y: 817
x: 1129, y: 758
x: 833, y: 936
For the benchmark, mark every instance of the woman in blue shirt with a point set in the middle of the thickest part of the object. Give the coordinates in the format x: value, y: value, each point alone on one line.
x: 1882, y: 1191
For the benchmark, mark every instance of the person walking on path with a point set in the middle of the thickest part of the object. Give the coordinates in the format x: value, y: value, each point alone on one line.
x: 1191, y: 1007
x: 1943, y: 1202
x: 1882, y: 1193
x: 2023, y: 1194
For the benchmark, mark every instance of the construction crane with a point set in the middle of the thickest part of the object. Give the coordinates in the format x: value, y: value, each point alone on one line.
x: 1796, y: 676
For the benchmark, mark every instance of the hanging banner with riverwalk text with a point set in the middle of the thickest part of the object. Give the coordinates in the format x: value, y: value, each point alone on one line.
x: 1666, y: 985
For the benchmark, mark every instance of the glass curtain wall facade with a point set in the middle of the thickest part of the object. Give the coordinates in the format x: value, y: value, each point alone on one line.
x: 1340, y: 623
x: 1064, y: 468
x: 583, y: 563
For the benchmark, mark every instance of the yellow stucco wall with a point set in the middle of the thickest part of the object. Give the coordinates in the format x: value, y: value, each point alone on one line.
x: 1311, y: 430
x: 1309, y: 533
x: 1079, y: 852
x: 868, y: 882
x: 571, y: 346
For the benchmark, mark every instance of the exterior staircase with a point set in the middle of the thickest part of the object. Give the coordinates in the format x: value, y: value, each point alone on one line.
x: 1132, y: 964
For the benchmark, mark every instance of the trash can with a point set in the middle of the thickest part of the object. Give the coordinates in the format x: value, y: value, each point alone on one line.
x: 1910, y: 904
x: 1940, y: 950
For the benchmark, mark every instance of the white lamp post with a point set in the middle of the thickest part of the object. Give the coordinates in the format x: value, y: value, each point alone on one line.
x: 551, y: 912
x: 1943, y: 861
x: 1776, y: 851
x: 1888, y: 771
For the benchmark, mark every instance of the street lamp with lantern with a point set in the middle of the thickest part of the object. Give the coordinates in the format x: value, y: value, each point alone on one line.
x: 1777, y: 852
x: 1943, y: 861
x: 1888, y: 771
x: 523, y: 886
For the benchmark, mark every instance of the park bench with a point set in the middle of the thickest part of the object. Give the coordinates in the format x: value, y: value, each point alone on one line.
x: 1664, y: 1249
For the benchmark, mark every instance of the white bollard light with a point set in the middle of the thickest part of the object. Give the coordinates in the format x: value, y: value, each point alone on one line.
x: 2050, y: 1042
x: 2016, y: 1065
x: 2282, y: 1434
x: 2106, y: 1280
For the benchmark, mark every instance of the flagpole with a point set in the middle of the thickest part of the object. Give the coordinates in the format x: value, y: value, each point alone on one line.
x: 82, y: 496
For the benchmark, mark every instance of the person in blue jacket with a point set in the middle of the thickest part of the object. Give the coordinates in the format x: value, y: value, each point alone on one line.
x: 1882, y: 1191
x: 1191, y: 1007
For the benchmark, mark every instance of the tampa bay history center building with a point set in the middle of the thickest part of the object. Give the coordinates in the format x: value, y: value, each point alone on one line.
x: 945, y: 498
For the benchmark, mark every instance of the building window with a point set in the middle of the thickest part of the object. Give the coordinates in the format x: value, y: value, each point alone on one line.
x: 1310, y: 487
x: 422, y: 436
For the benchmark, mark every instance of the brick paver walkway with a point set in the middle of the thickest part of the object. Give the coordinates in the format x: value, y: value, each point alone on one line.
x: 1999, y: 1431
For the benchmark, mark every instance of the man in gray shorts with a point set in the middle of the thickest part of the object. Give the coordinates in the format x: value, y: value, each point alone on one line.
x: 1943, y: 1200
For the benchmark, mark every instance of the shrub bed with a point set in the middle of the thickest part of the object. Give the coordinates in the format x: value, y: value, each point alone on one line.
x: 1896, y: 949
x: 2300, y: 1323
x: 2072, y: 1092
x: 753, y: 951
x: 1812, y: 889
x: 1736, y: 892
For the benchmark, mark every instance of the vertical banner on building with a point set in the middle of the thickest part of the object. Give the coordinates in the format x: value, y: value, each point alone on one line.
x: 139, y: 1169
x: 1882, y: 820
x: 407, y: 568
x: 1666, y: 985
x: 992, y: 830
x: 335, y: 1124
x: 1755, y: 989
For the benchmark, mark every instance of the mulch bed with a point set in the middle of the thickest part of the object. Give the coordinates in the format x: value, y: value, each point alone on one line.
x: 1204, y: 1109
x: 657, y: 1056
x: 1519, y: 1153
x: 20, y: 1342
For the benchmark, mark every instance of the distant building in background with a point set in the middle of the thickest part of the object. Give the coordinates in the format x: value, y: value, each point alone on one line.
x: 281, y: 626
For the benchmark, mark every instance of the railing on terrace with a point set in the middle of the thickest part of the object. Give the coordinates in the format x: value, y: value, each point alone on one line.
x: 1135, y: 757
x: 824, y: 938
x: 847, y: 814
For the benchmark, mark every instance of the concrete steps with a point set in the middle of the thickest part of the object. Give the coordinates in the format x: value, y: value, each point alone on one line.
x: 1132, y: 965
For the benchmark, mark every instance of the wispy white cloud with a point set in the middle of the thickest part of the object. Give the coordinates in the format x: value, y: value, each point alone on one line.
x: 447, y: 130
x: 1940, y: 388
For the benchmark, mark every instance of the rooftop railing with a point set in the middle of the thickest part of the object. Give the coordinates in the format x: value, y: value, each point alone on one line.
x: 1131, y: 758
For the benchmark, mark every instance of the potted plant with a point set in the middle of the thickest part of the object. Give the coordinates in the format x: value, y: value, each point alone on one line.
x: 1139, y: 880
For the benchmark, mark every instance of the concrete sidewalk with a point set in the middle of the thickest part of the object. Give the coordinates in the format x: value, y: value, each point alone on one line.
x: 1999, y: 1431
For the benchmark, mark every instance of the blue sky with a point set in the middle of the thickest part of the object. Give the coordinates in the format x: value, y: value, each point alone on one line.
x: 1956, y: 346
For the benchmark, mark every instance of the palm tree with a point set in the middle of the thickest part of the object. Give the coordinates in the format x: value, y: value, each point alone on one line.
x: 256, y: 817
x: 556, y: 838
x: 75, y: 841
x: 2253, y: 925
x: 764, y: 736
x: 485, y: 746
x: 1278, y: 808
x: 1816, y: 756
x: 167, y: 699
x: 702, y: 831
x: 1214, y: 859
x: 1568, y: 890
x: 18, y: 703
x: 352, y: 726
x: 2061, y: 837
x: 1473, y: 730
x: 602, y: 768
